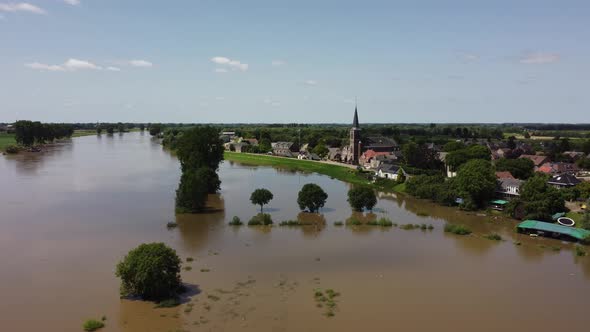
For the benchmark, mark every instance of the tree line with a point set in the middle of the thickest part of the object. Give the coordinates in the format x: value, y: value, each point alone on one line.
x: 28, y: 133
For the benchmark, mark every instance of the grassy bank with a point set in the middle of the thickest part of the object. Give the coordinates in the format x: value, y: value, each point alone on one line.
x: 6, y: 140
x: 341, y: 173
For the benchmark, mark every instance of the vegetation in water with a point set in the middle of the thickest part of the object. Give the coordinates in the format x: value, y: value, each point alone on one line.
x: 493, y: 237
x: 353, y: 222
x: 261, y: 219
x: 311, y: 197
x: 92, y: 325
x: 326, y: 299
x: 457, y: 229
x: 362, y: 197
x: 236, y: 221
x: 150, y: 271
x: 338, y: 223
x: 261, y: 197
x: 168, y: 303
x: 383, y: 222
x: 579, y: 251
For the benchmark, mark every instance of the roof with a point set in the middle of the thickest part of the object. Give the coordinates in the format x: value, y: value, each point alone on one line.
x: 371, y: 154
x: 379, y: 141
x: 577, y: 233
x: 499, y: 202
x: 389, y: 168
x: 537, y: 160
x: 564, y: 180
x: 507, y: 182
x: 281, y: 145
x: 355, y: 121
x: 504, y: 175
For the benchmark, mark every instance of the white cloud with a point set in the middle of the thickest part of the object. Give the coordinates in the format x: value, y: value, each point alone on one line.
x: 468, y: 57
x: 113, y: 69
x: 278, y: 63
x: 72, y: 2
x: 539, y: 58
x: 311, y: 82
x: 69, y: 65
x: 21, y: 7
x: 232, y: 64
x: 141, y: 63
x: 220, y: 70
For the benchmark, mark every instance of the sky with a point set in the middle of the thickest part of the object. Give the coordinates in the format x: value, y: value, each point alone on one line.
x: 274, y: 61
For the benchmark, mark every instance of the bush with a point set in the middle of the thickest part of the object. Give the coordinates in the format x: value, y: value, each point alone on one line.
x: 493, y: 237
x: 579, y: 250
x: 338, y: 223
x: 12, y: 149
x: 290, y: 223
x: 151, y: 271
x: 457, y: 229
x: 383, y: 222
x: 191, y: 195
x: 92, y: 325
x: 235, y: 221
x: 168, y: 303
x: 260, y: 219
x: 353, y: 222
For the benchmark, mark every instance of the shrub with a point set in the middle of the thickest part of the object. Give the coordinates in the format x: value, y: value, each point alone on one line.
x: 92, y: 325
x: 12, y: 149
x: 290, y: 223
x: 235, y: 221
x: 384, y: 222
x: 338, y: 223
x: 353, y: 222
x: 579, y: 250
x: 457, y: 229
x: 260, y: 219
x: 151, y: 271
x: 409, y: 227
x: 493, y: 237
x: 168, y: 303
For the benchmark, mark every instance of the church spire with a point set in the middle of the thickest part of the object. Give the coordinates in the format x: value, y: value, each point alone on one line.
x: 355, y: 121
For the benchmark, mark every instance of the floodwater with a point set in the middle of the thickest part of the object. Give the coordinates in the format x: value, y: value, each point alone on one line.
x: 69, y: 214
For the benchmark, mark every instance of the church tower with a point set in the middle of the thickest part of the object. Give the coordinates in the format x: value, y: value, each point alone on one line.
x: 355, y: 139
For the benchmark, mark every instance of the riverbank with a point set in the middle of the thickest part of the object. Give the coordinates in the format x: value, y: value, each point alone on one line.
x: 346, y: 173
x: 6, y: 140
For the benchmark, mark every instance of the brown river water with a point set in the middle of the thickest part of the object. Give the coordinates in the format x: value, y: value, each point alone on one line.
x: 68, y: 214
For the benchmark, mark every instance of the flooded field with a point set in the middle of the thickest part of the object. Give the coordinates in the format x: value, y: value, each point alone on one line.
x: 69, y: 214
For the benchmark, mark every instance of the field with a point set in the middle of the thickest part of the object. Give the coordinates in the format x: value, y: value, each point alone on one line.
x: 6, y: 140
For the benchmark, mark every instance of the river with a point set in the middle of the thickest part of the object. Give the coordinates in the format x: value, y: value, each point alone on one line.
x: 70, y: 213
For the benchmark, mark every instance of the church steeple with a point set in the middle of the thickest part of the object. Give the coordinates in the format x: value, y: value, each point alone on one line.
x: 355, y: 121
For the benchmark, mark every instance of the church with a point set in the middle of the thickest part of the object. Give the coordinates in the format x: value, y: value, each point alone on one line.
x: 351, y: 154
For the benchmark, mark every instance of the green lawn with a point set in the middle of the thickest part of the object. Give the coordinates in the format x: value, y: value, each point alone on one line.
x: 6, y: 140
x: 341, y: 173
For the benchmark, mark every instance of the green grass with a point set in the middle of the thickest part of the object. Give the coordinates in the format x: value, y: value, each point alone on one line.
x: 6, y: 140
x: 92, y: 325
x: 457, y: 229
x: 342, y: 173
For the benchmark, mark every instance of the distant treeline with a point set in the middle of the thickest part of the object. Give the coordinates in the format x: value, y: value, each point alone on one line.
x: 28, y: 133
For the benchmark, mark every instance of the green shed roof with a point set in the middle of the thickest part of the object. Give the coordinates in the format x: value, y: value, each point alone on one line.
x: 577, y: 233
x: 499, y: 202
x: 558, y: 215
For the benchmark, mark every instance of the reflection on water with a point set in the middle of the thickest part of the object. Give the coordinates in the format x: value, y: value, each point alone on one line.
x: 71, y: 212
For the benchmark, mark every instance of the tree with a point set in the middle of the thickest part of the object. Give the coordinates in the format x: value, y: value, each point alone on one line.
x: 401, y: 176
x: 521, y: 168
x: 120, y: 127
x: 459, y: 157
x: 476, y: 183
x: 527, y: 135
x: 418, y: 155
x: 142, y: 127
x: 191, y: 195
x: 540, y: 200
x: 321, y: 150
x: 361, y: 198
x: 155, y: 129
x: 110, y: 129
x: 211, y: 178
x: 453, y: 146
x: 311, y: 197
x: 151, y: 271
x: 200, y: 147
x: 98, y: 129
x: 261, y: 197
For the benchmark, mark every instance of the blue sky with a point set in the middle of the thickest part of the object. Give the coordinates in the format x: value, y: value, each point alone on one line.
x: 295, y: 61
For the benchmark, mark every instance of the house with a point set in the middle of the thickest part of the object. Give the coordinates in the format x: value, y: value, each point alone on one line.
x: 563, y: 181
x: 508, y: 188
x: 378, y: 160
x: 235, y: 147
x: 558, y: 168
x: 380, y: 144
x: 389, y: 171
x: 334, y: 154
x: 284, y: 149
x: 369, y: 155
x: 504, y: 175
x: 537, y: 160
x: 574, y: 155
x: 305, y: 155
x: 251, y: 141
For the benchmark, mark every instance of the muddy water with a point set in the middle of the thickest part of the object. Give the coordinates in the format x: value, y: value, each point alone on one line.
x: 67, y: 215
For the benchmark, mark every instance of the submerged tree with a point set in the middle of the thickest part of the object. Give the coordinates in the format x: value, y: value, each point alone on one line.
x: 151, y: 271
x: 191, y: 195
x: 476, y: 183
x: 361, y: 198
x: 261, y: 197
x: 311, y: 197
x: 200, y: 147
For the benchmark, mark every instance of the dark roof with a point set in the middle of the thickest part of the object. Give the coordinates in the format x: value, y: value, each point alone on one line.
x: 564, y: 180
x: 355, y: 121
x: 389, y: 168
x: 506, y: 183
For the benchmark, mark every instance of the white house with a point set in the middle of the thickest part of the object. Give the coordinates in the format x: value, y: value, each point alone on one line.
x: 388, y: 171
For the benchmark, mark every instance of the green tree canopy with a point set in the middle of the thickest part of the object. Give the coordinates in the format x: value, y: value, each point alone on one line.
x: 311, y: 197
x: 321, y: 150
x: 151, y: 271
x: 459, y: 157
x: 361, y: 198
x: 419, y: 156
x: 540, y: 200
x: 521, y: 168
x: 200, y: 147
x: 155, y: 129
x: 261, y: 197
x: 453, y: 146
x: 476, y: 183
x: 191, y: 195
